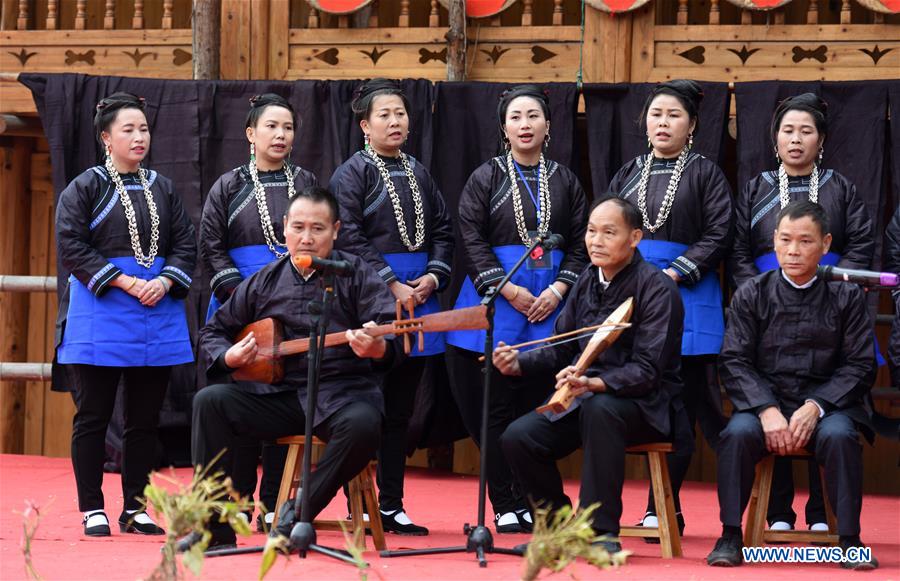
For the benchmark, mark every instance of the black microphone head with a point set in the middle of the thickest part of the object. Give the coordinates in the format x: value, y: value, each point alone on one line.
x: 553, y: 241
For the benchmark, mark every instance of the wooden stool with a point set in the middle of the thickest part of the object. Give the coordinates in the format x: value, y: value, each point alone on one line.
x: 667, y: 533
x: 361, y: 492
x: 756, y: 533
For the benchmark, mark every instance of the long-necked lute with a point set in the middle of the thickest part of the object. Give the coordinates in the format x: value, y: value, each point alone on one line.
x: 268, y: 366
x: 599, y: 342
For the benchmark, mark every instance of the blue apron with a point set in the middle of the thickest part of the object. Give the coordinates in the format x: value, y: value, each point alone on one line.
x: 510, y: 326
x: 704, y: 322
x: 116, y: 330
x: 248, y: 260
x: 409, y: 266
x: 769, y: 261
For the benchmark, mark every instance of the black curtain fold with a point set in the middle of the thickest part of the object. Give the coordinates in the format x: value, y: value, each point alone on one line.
x: 616, y: 134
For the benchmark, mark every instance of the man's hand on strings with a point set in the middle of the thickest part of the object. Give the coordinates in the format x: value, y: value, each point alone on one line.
x: 364, y: 345
x: 506, y: 359
x: 242, y: 352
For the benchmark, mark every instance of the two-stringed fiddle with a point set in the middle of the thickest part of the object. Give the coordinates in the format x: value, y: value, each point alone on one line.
x: 608, y: 332
x: 268, y: 366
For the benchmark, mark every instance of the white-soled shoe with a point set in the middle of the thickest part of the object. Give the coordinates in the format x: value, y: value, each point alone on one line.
x: 819, y: 527
x: 781, y: 525
x: 96, y: 524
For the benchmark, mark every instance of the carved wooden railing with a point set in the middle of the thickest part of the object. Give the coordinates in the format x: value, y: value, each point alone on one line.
x: 530, y: 39
x: 802, y: 40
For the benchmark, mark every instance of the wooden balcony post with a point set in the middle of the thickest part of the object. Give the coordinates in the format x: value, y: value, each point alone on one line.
x: 403, y: 21
x: 167, y: 14
x: 206, y: 19
x: 557, y: 12
x: 812, y: 14
x: 456, y: 42
x: 109, y: 17
x: 434, y: 18
x: 137, y: 22
x: 527, y: 12
x: 80, y: 14
x: 52, y: 19
x: 682, y: 12
x: 714, y: 14
x: 22, y: 20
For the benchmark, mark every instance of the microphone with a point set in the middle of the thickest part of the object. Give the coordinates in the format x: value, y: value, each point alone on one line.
x: 552, y: 241
x: 324, y: 265
x: 549, y: 242
x: 863, y: 277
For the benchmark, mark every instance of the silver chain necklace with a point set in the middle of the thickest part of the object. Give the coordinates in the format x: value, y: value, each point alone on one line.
x: 395, y: 200
x: 669, y: 199
x: 784, y: 194
x: 543, y: 197
x: 262, y: 206
x: 144, y: 260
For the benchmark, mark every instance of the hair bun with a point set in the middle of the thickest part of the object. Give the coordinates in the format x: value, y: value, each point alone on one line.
x: 806, y: 99
x: 687, y: 88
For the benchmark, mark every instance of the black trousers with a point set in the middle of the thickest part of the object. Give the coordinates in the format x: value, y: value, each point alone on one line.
x: 510, y: 399
x: 781, y: 499
x: 703, y: 405
x: 224, y: 413
x: 603, y: 425
x: 835, y: 444
x: 144, y: 390
x: 245, y: 460
x: 400, y: 387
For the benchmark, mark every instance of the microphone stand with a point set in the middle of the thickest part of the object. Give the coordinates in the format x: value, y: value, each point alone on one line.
x: 480, y: 540
x: 303, y: 534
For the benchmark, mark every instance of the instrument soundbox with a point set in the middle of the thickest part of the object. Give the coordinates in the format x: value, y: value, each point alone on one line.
x: 268, y: 366
x: 601, y: 340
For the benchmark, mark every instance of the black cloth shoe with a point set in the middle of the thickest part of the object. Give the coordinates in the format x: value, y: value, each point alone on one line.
x: 222, y: 538
x: 652, y: 541
x: 612, y: 547
x: 127, y: 524
x: 861, y: 565
x: 97, y: 530
x: 525, y: 521
x: 390, y: 521
x: 511, y: 525
x: 727, y: 552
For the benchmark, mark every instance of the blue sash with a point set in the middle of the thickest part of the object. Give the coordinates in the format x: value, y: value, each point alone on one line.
x: 248, y: 260
x: 769, y: 261
x: 510, y: 326
x: 409, y: 266
x: 704, y: 321
x: 116, y: 330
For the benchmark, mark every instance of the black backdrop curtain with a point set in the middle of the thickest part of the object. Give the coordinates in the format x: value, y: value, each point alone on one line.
x: 615, y: 135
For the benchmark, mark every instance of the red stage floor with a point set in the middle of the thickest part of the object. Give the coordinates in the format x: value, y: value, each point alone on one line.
x: 440, y: 501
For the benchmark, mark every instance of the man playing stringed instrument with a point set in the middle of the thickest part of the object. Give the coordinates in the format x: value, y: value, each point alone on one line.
x: 625, y: 395
x: 350, y: 405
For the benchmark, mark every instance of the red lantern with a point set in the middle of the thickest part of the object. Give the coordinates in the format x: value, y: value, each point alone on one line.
x: 483, y: 8
x: 883, y: 6
x: 759, y: 4
x: 339, y: 6
x: 615, y: 6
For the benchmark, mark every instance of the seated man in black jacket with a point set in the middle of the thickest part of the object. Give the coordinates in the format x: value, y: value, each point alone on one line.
x: 797, y: 362
x: 625, y: 396
x: 350, y: 405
